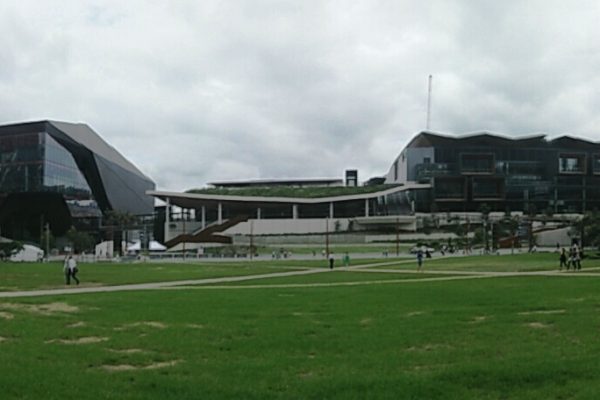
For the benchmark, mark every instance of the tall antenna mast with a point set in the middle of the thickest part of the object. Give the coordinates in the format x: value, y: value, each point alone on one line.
x: 428, y: 103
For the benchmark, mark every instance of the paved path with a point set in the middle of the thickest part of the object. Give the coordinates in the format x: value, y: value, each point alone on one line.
x: 373, y: 268
x: 159, y: 285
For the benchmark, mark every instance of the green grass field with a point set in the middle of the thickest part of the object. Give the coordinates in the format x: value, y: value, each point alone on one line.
x: 518, y: 337
x: 24, y: 276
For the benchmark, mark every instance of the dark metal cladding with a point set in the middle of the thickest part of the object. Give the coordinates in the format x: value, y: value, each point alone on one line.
x: 70, y: 161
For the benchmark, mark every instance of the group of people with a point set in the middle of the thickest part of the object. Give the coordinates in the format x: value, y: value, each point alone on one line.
x: 570, y: 259
x: 70, y: 269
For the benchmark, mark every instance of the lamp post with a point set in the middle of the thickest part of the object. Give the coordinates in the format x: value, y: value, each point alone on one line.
x: 47, y: 241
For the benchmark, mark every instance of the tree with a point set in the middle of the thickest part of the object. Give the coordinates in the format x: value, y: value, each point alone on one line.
x: 118, y: 222
x: 8, y: 248
x: 80, y: 241
x: 459, y: 230
x: 428, y: 225
x: 587, y: 227
x: 484, y: 209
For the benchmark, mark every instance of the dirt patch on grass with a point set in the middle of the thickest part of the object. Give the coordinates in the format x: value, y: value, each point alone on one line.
x: 3, y: 339
x: 542, y: 312
x: 478, y: 319
x: 428, y: 367
x: 429, y: 347
x: 129, y: 367
x: 538, y: 325
x: 194, y: 326
x: 414, y: 313
x: 6, y: 315
x: 365, y: 322
x: 150, y: 324
x: 127, y: 351
x: 41, y: 309
x: 81, y: 340
x: 77, y: 325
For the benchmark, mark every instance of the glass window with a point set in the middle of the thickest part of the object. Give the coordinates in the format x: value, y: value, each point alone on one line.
x: 596, y: 163
x: 571, y: 163
x: 449, y: 188
x: 477, y: 163
x: 488, y: 188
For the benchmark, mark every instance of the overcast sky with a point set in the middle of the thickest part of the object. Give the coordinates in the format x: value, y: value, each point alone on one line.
x: 198, y: 91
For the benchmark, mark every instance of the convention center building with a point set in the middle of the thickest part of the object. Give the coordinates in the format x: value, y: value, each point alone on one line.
x: 60, y: 174
x: 434, y: 173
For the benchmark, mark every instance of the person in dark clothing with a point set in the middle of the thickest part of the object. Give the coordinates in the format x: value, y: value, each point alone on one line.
x: 563, y: 259
x: 331, y: 260
x: 419, y: 259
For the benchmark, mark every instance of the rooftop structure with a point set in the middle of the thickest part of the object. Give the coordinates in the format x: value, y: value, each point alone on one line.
x: 524, y: 173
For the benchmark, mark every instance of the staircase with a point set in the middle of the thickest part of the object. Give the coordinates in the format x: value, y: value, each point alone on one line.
x: 209, y: 234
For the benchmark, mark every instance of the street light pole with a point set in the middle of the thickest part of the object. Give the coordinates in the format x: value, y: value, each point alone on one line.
x: 47, y: 241
x: 327, y: 237
x: 251, y: 240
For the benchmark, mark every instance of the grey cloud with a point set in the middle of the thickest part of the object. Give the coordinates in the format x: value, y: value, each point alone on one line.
x: 194, y: 92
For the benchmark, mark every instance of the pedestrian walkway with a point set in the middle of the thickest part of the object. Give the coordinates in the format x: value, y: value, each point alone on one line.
x: 378, y: 267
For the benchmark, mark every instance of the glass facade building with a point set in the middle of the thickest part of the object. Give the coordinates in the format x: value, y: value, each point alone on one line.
x: 48, y: 165
x: 528, y: 174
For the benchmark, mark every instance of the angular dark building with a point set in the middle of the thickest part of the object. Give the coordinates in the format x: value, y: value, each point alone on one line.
x: 532, y: 174
x: 63, y: 174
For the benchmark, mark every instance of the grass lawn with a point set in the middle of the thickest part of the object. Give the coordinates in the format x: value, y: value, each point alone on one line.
x: 493, y: 263
x: 335, y: 276
x: 44, y: 276
x: 339, y: 250
x: 527, y: 337
x: 26, y: 276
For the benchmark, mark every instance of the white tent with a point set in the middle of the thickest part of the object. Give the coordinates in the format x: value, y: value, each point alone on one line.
x: 153, y: 246
x: 136, y: 246
x: 29, y: 253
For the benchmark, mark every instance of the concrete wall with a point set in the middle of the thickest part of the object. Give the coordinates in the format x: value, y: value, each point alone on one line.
x: 411, y: 237
x: 550, y: 238
x: 176, y: 228
x: 352, y: 238
x: 407, y: 162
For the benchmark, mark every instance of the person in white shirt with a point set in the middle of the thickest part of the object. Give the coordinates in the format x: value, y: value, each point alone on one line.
x: 71, y: 270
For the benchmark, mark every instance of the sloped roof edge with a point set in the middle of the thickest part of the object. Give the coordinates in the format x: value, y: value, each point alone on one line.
x: 86, y: 136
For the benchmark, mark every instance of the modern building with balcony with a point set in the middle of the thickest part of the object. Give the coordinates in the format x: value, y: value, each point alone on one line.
x: 458, y: 175
x: 529, y: 174
x: 64, y: 174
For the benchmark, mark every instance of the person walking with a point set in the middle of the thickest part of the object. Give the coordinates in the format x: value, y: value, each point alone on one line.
x: 563, y: 259
x: 331, y: 260
x: 577, y: 259
x: 346, y: 259
x: 67, y: 271
x: 571, y: 259
x: 419, y: 260
x: 73, y: 270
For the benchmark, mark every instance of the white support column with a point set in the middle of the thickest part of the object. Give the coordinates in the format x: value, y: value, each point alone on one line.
x: 366, y: 207
x: 331, y: 209
x: 295, y: 211
x: 258, y: 213
x: 220, y: 213
x: 203, y: 216
x: 167, y: 219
